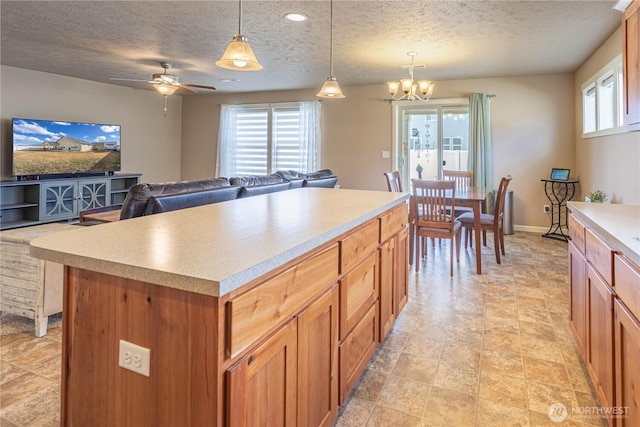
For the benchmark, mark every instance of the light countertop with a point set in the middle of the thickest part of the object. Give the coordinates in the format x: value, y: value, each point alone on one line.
x: 618, y: 224
x: 214, y: 249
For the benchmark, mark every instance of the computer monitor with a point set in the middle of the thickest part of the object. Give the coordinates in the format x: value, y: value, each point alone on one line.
x: 560, y: 174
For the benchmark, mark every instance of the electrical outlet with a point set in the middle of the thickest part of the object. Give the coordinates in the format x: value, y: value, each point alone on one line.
x: 546, y: 209
x: 134, y: 358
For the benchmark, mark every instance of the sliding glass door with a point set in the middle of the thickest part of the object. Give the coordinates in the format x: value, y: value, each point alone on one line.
x: 431, y: 137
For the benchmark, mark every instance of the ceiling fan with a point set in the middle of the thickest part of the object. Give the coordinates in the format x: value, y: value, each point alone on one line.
x: 167, y: 84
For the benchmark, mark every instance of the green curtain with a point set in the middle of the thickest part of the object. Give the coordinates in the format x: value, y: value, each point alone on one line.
x: 480, y: 144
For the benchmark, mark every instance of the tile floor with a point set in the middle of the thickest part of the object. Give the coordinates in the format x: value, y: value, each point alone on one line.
x: 489, y: 350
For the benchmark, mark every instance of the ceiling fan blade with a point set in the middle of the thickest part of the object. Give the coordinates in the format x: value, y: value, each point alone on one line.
x: 187, y: 90
x: 199, y: 86
x: 128, y: 80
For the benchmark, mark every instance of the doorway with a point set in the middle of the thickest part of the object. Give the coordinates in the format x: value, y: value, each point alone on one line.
x: 430, y: 137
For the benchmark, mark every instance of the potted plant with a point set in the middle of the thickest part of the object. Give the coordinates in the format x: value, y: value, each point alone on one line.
x: 596, y: 196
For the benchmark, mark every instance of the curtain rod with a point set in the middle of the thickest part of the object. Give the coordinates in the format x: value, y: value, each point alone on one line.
x: 273, y: 103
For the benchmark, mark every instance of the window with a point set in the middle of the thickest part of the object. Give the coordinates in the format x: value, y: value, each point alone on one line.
x: 260, y: 139
x: 602, y: 101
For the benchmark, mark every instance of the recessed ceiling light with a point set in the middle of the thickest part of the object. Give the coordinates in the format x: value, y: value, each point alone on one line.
x: 295, y: 17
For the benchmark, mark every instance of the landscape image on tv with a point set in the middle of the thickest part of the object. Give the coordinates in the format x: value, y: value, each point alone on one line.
x: 43, y: 147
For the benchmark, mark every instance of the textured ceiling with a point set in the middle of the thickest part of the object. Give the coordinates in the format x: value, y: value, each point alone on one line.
x: 99, y: 40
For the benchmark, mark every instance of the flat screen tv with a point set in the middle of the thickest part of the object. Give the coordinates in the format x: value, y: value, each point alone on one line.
x: 45, y: 147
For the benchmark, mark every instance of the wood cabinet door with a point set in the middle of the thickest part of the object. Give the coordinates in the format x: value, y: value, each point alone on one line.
x: 261, y: 387
x: 578, y: 296
x: 58, y: 200
x: 318, y: 362
x: 627, y: 367
x: 387, y: 279
x: 630, y: 63
x: 402, y: 272
x: 94, y: 193
x: 600, y: 336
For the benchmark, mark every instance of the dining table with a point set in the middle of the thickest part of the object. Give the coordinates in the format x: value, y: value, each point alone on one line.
x: 471, y: 197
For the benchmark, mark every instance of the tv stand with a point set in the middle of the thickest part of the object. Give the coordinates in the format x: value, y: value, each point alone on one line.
x: 39, y: 201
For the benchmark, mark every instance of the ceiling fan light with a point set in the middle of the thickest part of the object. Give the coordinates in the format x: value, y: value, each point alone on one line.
x: 330, y: 89
x: 239, y: 56
x: 393, y: 87
x: 165, y: 89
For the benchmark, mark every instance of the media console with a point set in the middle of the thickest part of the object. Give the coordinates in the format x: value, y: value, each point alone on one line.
x: 25, y: 203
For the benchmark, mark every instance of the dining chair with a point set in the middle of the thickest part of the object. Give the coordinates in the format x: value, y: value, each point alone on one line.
x: 429, y: 207
x: 490, y: 222
x: 462, y: 179
x: 394, y: 182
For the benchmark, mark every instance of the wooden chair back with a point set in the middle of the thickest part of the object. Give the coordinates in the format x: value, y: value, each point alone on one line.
x: 498, y: 213
x: 462, y: 178
x: 394, y: 182
x: 431, y: 206
x: 432, y: 199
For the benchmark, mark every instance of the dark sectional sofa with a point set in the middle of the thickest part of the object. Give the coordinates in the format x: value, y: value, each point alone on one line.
x: 146, y: 199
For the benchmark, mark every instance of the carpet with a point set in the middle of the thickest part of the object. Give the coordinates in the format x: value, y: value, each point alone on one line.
x: 10, y: 324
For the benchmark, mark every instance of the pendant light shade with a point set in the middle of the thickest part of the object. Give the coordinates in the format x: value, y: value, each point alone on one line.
x: 238, y: 55
x: 330, y: 88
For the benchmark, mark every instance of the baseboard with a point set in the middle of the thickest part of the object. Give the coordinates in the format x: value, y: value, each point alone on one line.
x: 531, y: 228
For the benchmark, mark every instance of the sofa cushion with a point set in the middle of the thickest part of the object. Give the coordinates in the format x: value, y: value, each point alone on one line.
x: 255, y: 180
x: 135, y: 203
x: 290, y: 174
x: 321, y: 178
x: 322, y: 173
x: 264, y: 189
x: 172, y: 202
x: 322, y: 182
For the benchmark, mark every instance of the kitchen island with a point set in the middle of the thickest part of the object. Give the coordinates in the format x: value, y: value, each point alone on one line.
x: 256, y: 311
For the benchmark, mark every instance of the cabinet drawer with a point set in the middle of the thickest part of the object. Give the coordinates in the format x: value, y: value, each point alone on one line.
x: 357, y: 350
x: 359, y: 245
x: 627, y: 281
x: 358, y: 291
x: 255, y: 313
x: 393, y: 221
x: 600, y: 254
x: 576, y: 232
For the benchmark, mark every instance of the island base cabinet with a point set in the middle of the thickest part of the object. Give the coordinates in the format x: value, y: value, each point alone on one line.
x: 271, y: 367
x: 298, y: 363
x: 394, y: 283
x: 99, y: 311
x: 627, y: 367
x: 600, y: 337
x: 401, y: 268
x: 356, y: 351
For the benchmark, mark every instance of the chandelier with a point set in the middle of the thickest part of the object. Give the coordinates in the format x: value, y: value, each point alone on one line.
x: 412, y: 90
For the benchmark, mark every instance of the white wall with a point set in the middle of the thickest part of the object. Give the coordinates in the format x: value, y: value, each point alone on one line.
x: 150, y: 142
x: 609, y: 163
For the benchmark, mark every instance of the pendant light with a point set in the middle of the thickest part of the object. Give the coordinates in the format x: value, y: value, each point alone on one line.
x: 330, y: 88
x: 239, y: 56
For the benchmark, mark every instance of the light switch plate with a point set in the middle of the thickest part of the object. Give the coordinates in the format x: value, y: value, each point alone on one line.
x: 386, y: 154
